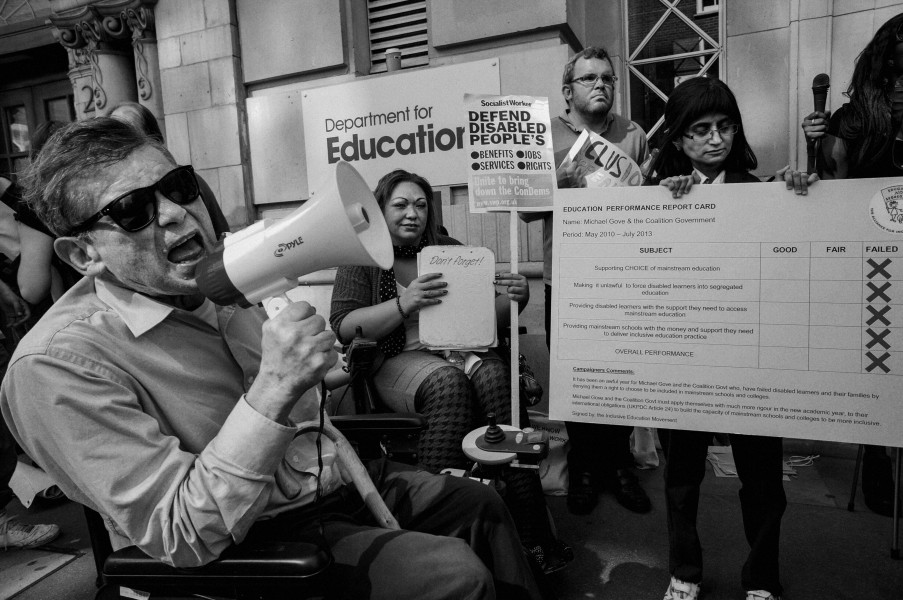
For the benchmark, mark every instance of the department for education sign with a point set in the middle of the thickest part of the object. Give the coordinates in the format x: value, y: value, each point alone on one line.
x: 414, y: 120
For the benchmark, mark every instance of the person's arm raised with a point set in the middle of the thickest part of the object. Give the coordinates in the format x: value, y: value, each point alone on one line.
x: 296, y: 353
x: 815, y: 125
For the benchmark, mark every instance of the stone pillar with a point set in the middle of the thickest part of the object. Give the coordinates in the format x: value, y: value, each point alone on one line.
x: 97, y: 34
x: 140, y: 21
x: 82, y: 83
x: 113, y: 78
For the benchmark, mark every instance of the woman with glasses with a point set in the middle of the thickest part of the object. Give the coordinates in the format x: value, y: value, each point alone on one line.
x: 705, y: 143
x: 864, y: 138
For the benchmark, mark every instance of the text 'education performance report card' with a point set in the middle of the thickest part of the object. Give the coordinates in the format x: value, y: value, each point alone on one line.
x: 738, y: 308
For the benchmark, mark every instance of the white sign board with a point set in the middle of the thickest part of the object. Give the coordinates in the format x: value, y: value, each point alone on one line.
x: 469, y: 272
x: 738, y: 308
x: 413, y: 120
x: 512, y: 166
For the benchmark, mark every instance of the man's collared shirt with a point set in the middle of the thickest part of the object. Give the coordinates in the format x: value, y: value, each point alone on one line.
x: 136, y: 410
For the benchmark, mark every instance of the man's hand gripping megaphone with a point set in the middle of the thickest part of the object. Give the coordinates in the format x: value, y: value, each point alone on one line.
x: 341, y: 224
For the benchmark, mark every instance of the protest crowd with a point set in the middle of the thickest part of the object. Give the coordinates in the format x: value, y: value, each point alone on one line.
x: 146, y: 374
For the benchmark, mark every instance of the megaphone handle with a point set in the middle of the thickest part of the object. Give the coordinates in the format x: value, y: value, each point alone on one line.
x: 274, y: 304
x: 348, y: 459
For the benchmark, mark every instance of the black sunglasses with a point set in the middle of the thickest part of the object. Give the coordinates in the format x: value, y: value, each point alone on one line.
x: 135, y: 210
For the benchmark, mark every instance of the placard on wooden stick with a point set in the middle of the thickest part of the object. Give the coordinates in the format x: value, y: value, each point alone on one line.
x: 512, y: 169
x: 465, y: 320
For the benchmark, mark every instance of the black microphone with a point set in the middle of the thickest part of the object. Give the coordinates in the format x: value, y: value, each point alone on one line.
x: 820, y: 86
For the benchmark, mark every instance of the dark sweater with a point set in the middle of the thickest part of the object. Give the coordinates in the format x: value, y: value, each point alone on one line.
x: 358, y: 287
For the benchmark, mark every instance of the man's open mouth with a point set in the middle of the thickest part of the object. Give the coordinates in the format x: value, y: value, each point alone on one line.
x: 190, y: 250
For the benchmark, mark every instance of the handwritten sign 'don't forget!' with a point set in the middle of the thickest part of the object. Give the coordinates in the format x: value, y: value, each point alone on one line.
x: 465, y: 320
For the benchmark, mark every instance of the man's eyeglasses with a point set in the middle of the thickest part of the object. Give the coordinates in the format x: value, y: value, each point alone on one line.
x: 703, y: 133
x: 590, y: 80
x: 135, y: 210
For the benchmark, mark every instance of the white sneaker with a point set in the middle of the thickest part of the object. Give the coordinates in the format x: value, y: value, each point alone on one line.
x: 682, y: 590
x: 16, y: 535
x: 761, y: 595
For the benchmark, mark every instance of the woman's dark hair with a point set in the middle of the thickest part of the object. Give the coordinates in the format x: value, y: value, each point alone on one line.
x: 139, y: 116
x: 691, y: 100
x: 867, y: 122
x: 387, y: 185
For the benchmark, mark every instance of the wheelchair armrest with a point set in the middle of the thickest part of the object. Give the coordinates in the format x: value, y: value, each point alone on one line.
x: 278, y: 566
x: 394, y: 434
x: 391, y: 423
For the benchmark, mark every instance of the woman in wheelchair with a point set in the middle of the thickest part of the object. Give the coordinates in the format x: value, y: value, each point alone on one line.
x: 385, y: 305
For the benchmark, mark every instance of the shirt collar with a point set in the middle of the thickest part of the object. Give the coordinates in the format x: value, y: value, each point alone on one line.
x: 140, y: 313
x: 565, y: 118
x: 703, y: 179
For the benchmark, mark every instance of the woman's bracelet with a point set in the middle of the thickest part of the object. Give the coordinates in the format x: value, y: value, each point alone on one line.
x: 403, y: 314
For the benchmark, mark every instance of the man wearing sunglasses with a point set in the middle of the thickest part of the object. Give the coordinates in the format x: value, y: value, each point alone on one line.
x: 174, y: 418
x: 599, y: 456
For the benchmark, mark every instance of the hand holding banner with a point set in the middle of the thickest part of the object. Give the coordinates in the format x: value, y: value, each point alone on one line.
x: 604, y: 163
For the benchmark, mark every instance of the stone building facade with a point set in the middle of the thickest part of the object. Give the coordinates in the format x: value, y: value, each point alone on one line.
x: 226, y: 78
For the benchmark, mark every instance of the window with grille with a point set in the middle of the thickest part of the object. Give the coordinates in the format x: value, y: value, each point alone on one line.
x: 668, y: 41
x: 398, y: 24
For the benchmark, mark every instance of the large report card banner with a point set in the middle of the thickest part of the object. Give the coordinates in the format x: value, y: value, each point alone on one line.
x: 738, y: 308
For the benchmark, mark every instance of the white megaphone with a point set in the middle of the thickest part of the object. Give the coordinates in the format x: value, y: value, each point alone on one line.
x: 340, y: 225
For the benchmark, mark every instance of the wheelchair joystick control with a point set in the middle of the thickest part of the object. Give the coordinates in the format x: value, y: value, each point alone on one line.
x: 527, y: 447
x: 494, y: 433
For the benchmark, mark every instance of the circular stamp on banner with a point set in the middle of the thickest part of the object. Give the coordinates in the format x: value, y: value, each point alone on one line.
x: 886, y: 209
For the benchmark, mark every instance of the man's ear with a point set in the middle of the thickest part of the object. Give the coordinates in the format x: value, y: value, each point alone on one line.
x: 80, y: 254
x: 567, y: 92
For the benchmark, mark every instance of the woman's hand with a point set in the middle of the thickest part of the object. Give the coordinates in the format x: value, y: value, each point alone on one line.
x: 680, y: 184
x: 815, y: 125
x: 798, y: 181
x: 426, y: 290
x: 516, y: 286
x: 15, y: 309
